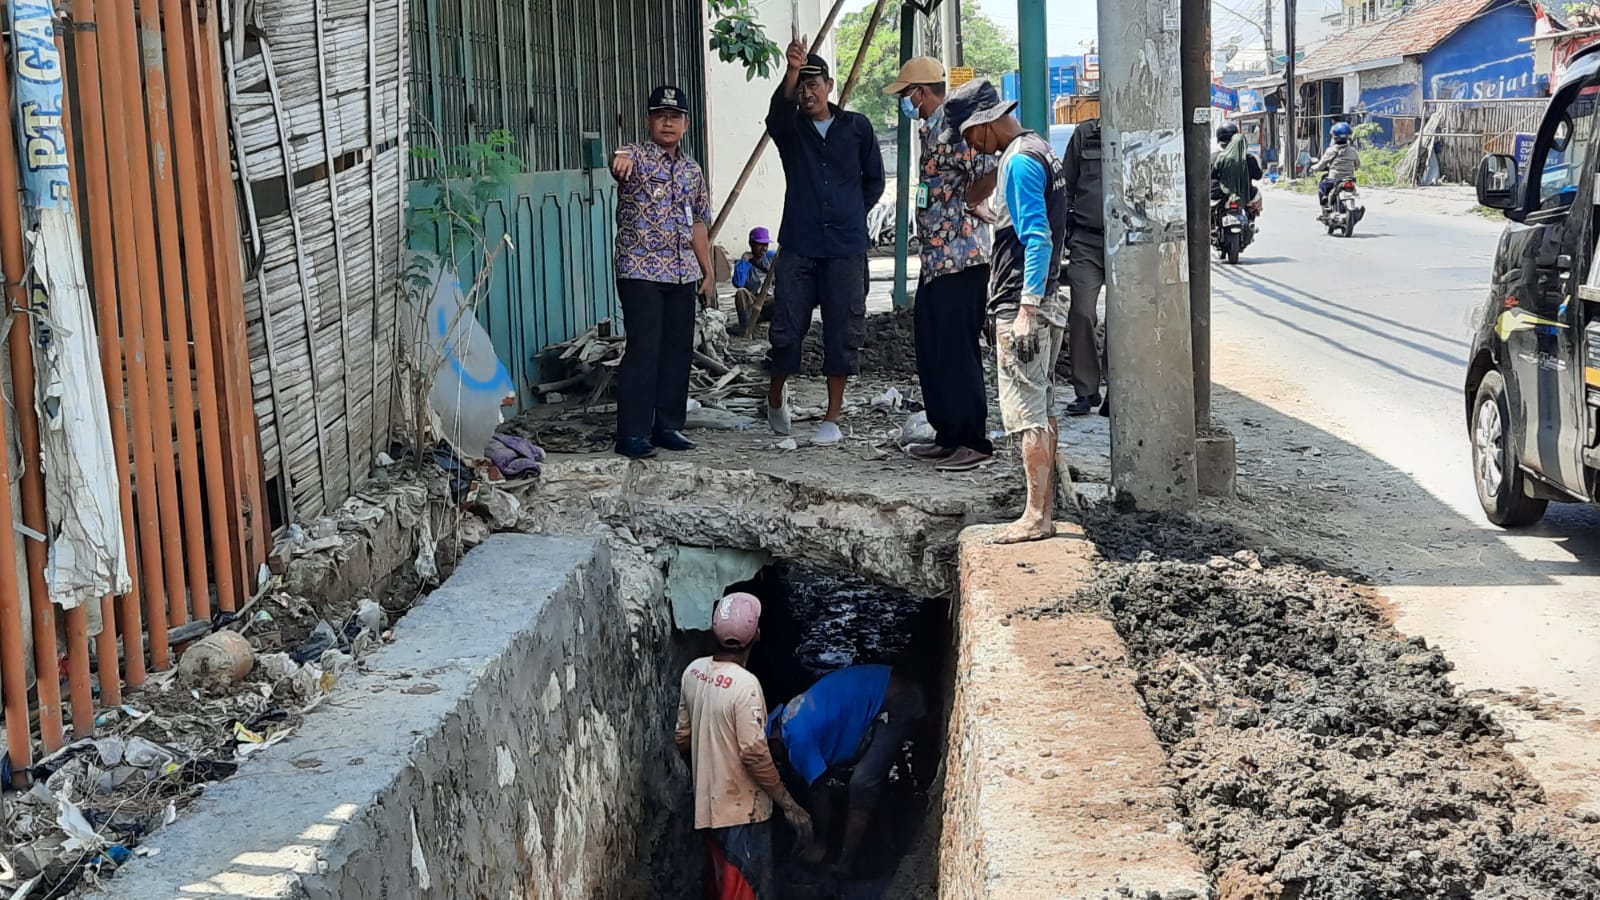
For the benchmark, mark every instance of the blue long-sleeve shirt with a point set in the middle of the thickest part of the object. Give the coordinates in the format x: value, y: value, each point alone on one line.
x: 1034, y: 209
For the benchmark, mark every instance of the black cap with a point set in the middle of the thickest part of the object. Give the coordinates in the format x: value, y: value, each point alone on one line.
x: 669, y: 97
x: 815, y: 65
x: 974, y: 103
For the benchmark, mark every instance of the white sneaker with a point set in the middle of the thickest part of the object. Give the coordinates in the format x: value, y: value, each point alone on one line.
x: 779, y: 417
x: 827, y: 433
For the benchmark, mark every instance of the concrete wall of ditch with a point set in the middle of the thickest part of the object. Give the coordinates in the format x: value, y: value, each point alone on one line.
x: 514, y: 741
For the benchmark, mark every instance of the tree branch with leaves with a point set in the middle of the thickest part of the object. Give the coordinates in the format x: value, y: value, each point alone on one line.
x: 739, y: 38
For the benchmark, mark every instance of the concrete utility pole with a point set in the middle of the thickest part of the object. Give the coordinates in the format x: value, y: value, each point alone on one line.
x: 1266, y: 31
x: 1196, y: 53
x: 902, y: 230
x: 950, y: 33
x: 1147, y: 254
x: 1034, y: 69
x: 1291, y: 96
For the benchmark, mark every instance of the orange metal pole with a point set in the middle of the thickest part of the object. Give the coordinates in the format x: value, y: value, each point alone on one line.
x: 114, y: 84
x: 124, y: 40
x: 78, y: 668
x: 171, y: 260
x: 203, y: 295
x: 46, y: 658
x: 13, y: 652
x: 103, y: 258
x: 228, y: 312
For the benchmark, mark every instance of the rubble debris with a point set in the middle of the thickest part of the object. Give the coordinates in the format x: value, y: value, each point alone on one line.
x: 1316, y: 752
x: 217, y: 660
x: 498, y: 508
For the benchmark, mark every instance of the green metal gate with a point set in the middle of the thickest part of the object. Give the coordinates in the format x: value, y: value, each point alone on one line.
x: 550, y: 72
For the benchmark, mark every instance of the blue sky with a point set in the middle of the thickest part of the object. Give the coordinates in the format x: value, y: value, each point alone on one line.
x: 1071, y: 21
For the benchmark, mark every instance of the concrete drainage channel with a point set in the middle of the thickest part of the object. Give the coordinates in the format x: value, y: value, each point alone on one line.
x: 516, y: 740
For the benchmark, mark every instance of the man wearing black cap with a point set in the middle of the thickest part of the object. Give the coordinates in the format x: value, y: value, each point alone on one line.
x: 663, y: 256
x: 835, y: 175
x: 1032, y: 209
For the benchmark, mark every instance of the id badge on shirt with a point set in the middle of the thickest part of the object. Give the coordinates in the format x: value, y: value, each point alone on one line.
x: 922, y: 195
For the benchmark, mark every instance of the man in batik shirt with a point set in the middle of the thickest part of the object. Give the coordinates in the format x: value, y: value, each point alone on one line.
x: 663, y: 258
x: 953, y: 293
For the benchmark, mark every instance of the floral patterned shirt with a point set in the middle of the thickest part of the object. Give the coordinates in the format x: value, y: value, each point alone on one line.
x: 657, y: 208
x: 952, y: 237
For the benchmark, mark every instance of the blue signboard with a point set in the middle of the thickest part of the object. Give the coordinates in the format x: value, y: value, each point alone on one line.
x: 1522, y: 149
x: 1485, y: 60
x: 40, y: 136
x: 1224, y: 98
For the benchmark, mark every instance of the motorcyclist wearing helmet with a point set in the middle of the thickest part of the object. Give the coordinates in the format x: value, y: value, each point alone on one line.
x: 1221, y: 163
x: 1340, y: 162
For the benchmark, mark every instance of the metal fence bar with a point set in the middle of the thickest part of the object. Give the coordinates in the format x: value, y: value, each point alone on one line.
x: 202, y: 297
x: 103, y: 272
x: 176, y: 313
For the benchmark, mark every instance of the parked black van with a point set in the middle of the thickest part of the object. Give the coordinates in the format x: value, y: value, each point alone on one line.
x: 1533, y: 384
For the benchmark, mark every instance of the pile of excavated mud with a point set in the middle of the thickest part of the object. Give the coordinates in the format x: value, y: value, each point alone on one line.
x: 1317, y: 754
x: 890, y: 347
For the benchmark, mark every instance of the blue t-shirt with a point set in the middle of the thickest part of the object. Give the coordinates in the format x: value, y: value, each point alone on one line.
x: 824, y: 726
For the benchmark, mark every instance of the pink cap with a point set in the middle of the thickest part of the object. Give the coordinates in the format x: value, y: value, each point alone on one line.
x: 736, y: 620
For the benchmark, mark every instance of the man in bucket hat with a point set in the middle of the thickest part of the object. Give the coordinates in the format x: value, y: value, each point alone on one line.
x: 722, y: 717
x: 1032, y: 211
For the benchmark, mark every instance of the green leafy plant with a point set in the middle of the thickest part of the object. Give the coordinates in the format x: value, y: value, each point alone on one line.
x: 463, y: 186
x: 739, y: 38
x: 1367, y: 132
x: 465, y: 182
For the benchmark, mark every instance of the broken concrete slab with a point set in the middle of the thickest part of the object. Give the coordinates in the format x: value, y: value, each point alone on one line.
x: 1056, y: 784
x: 535, y: 763
x: 904, y: 541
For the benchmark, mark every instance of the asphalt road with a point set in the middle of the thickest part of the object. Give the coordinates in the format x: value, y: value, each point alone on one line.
x: 1348, y: 359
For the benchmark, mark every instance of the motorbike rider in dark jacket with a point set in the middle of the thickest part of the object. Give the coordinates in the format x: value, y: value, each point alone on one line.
x: 1226, y: 135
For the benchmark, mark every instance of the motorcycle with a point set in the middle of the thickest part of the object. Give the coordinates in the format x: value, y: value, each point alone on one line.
x: 1231, y: 228
x: 1344, y: 209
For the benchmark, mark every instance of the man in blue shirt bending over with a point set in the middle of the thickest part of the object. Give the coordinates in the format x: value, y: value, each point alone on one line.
x: 1032, y: 208
x: 857, y: 717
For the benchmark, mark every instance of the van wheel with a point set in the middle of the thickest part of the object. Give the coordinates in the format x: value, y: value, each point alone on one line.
x: 1499, y: 481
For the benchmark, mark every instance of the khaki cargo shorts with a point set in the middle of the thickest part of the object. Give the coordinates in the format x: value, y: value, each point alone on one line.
x: 1028, y: 389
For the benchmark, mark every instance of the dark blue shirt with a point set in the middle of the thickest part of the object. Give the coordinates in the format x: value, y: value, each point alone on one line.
x: 833, y: 182
x: 824, y: 726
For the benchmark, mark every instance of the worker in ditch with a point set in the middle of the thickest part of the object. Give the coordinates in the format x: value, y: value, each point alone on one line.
x: 721, y: 734
x: 1033, y: 206
x: 663, y: 259
x: 834, y: 175
x: 855, y: 719
x: 953, y: 291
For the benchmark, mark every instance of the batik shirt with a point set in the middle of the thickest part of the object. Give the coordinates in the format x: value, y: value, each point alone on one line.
x: 657, y: 208
x: 952, y: 238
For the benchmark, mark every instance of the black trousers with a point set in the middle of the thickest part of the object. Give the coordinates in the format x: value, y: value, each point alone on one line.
x: 653, y: 384
x: 950, y: 315
x: 1086, y: 278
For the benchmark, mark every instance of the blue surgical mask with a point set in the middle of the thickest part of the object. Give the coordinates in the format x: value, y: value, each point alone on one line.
x: 909, y: 109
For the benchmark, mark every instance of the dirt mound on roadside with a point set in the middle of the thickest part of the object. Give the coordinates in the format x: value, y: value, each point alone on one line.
x: 1319, y: 755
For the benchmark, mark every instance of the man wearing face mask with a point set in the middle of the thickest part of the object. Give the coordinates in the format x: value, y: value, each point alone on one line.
x: 952, y: 293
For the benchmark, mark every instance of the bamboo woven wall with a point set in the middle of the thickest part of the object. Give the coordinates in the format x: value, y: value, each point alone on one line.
x: 319, y: 110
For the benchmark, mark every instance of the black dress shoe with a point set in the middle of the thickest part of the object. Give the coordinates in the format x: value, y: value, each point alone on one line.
x: 672, y: 440
x: 635, y: 448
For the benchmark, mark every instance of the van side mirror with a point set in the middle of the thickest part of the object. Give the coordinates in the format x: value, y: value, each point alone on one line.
x: 1497, y: 181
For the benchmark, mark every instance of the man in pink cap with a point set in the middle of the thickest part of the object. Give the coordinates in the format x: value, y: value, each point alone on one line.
x: 722, y: 719
x: 750, y: 275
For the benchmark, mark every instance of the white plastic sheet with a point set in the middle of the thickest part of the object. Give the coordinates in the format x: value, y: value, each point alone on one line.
x: 87, y: 557
x: 470, y: 383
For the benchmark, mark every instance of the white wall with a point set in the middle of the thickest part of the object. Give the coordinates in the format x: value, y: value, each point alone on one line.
x: 738, y: 110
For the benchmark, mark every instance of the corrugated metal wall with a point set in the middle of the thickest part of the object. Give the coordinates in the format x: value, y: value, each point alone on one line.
x: 549, y: 72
